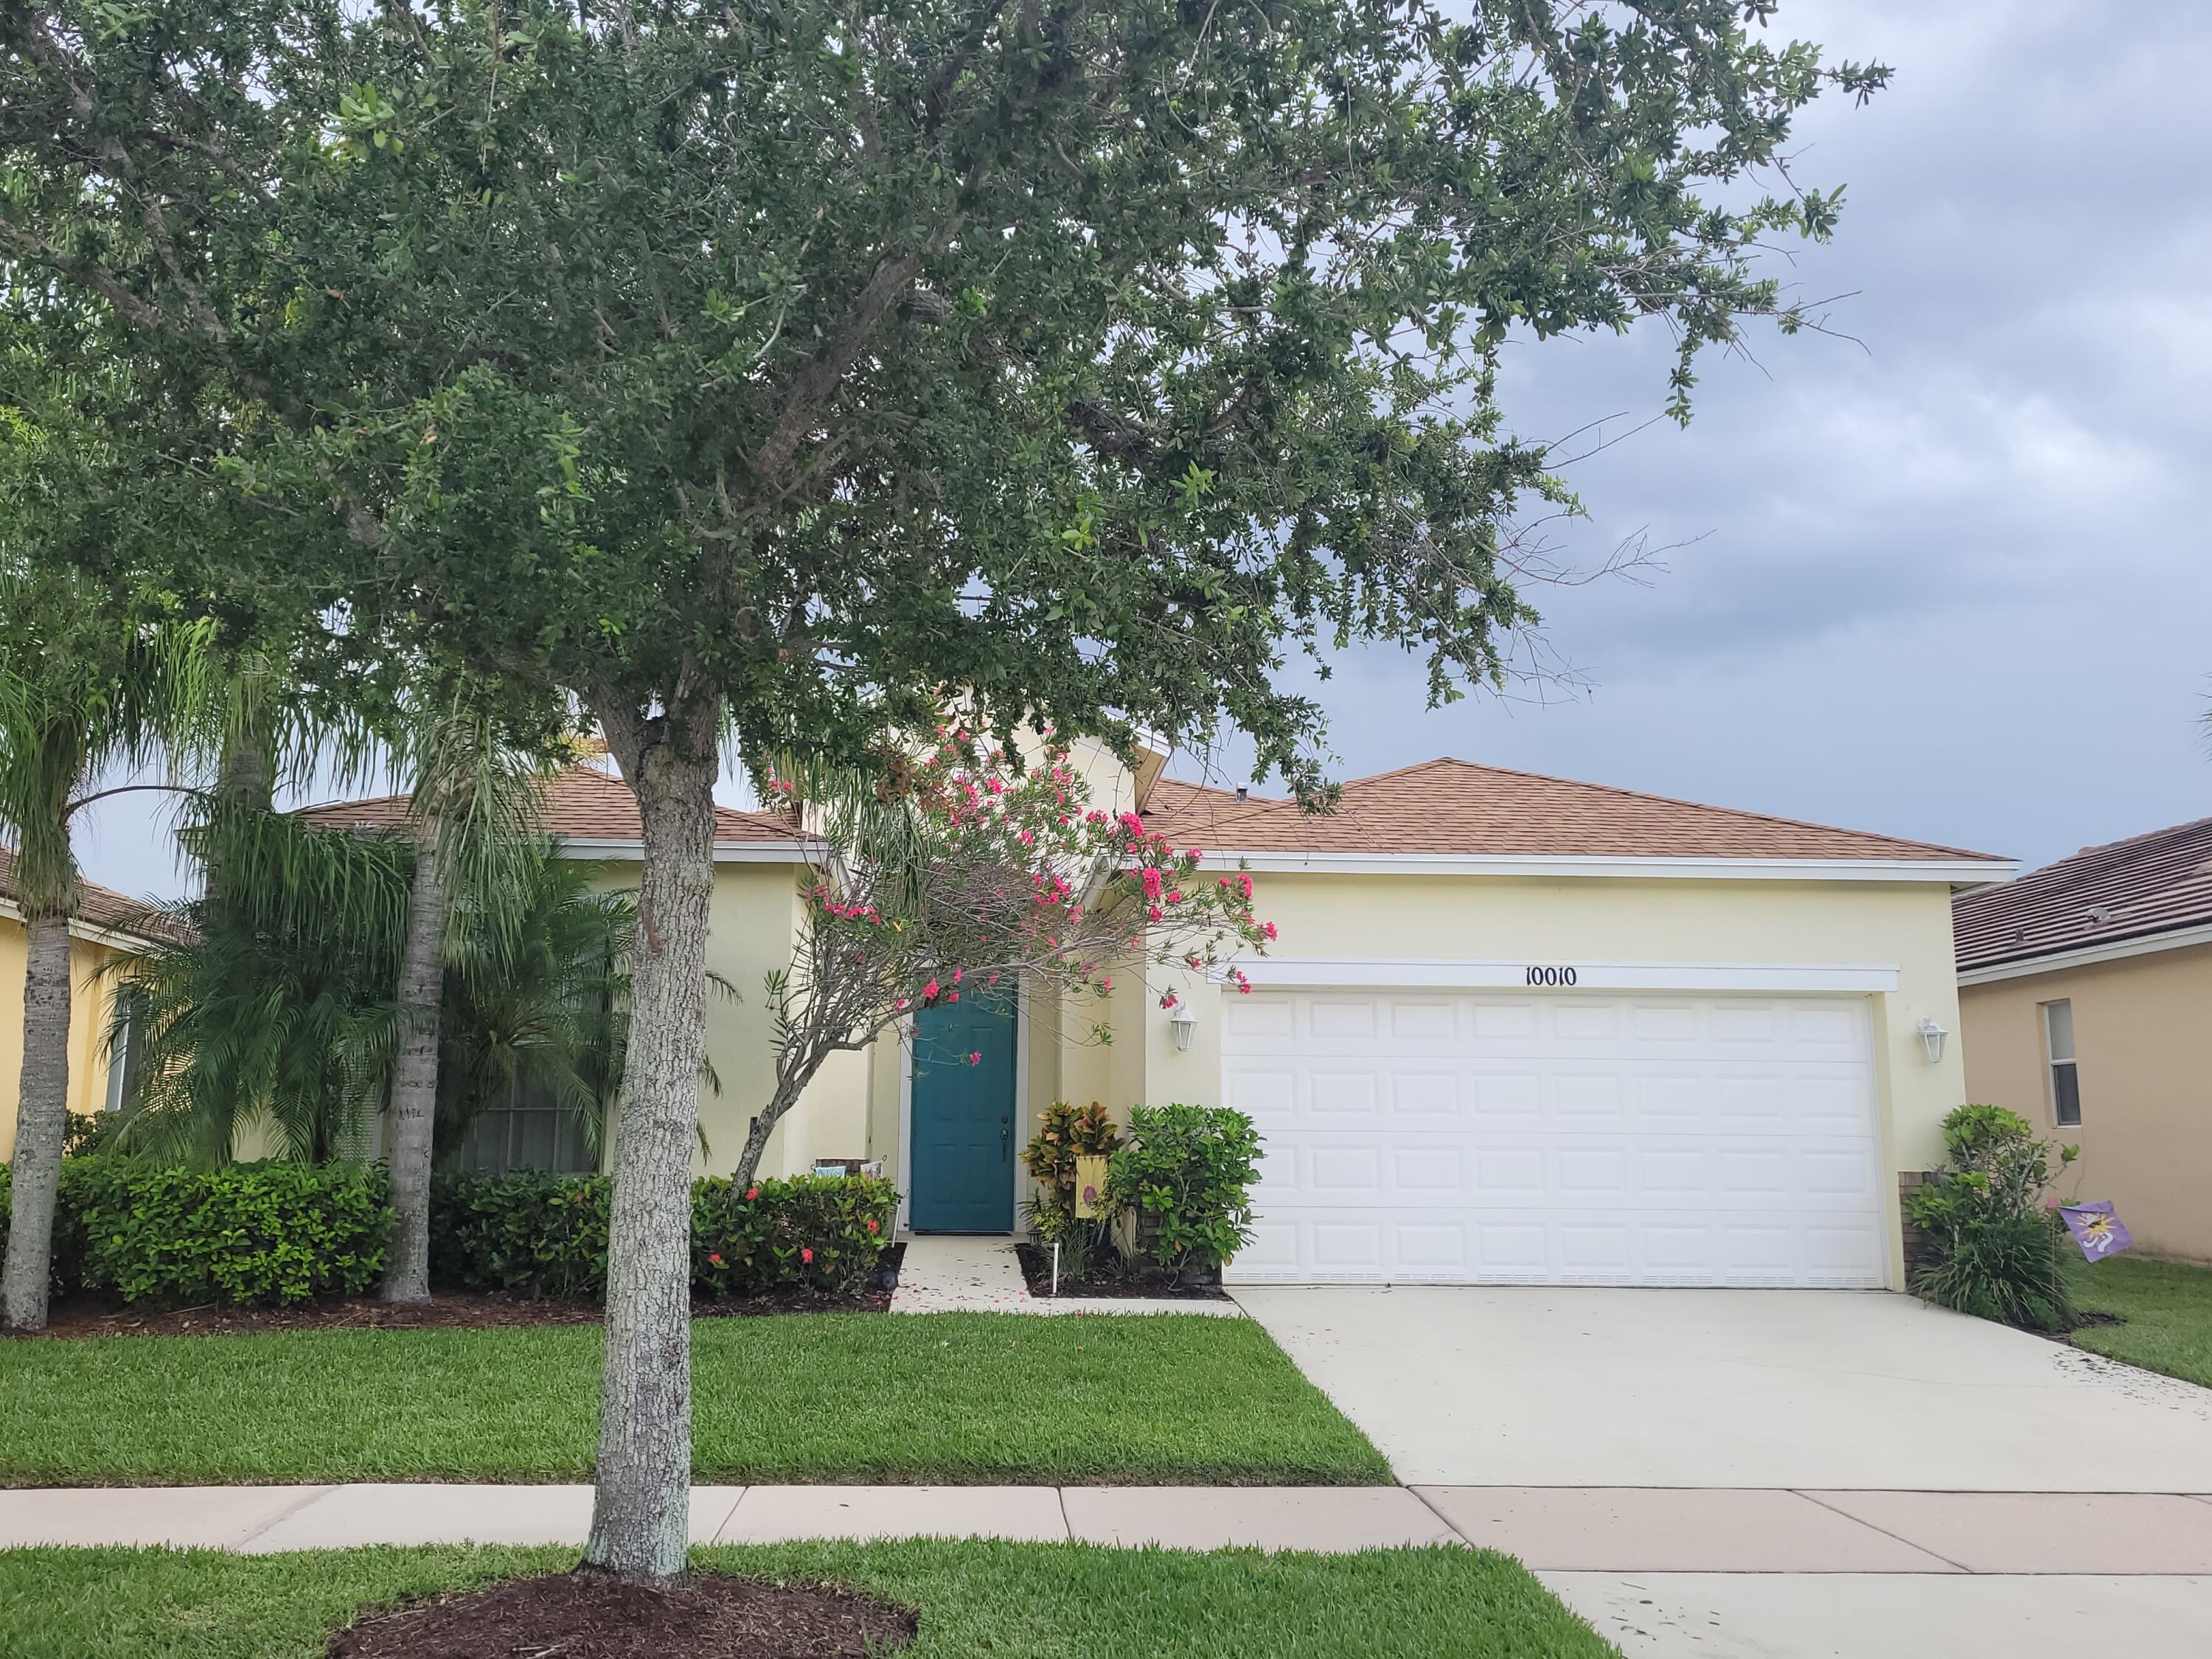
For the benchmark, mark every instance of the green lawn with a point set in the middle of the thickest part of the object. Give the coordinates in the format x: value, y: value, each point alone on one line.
x: 2166, y: 1308
x: 1008, y: 1600
x: 974, y: 1398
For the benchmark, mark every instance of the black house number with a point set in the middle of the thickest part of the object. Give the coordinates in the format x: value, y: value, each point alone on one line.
x: 1551, y: 975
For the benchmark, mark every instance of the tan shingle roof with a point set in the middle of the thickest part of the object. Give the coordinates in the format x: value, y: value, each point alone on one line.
x: 581, y: 804
x: 1450, y: 807
x: 105, y: 908
x: 2152, y: 884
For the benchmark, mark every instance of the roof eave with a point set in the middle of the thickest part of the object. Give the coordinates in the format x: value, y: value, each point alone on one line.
x: 1952, y: 872
x: 2088, y: 955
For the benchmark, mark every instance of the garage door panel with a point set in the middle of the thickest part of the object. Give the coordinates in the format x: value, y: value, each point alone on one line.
x: 1648, y: 1140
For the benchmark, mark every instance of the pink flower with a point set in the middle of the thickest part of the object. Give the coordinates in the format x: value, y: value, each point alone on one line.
x: 929, y: 990
x: 807, y: 1254
x: 976, y: 1060
x: 1244, y: 884
x: 872, y: 1227
x: 1151, y: 877
x: 956, y: 973
x: 712, y: 1257
x: 1154, y: 912
x: 953, y: 996
x: 1269, y: 928
x: 1175, y: 896
x: 1194, y: 855
x: 752, y: 1192
x: 1169, y: 1000
x: 1106, y: 984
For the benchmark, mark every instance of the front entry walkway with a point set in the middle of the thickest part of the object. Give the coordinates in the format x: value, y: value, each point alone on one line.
x: 952, y: 1273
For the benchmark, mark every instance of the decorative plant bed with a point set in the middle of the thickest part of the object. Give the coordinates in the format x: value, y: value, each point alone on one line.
x: 1037, y: 1268
x: 585, y: 1615
x: 88, y: 1316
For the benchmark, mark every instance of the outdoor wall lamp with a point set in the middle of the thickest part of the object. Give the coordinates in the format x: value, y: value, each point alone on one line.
x: 1183, y: 1025
x: 1931, y: 1039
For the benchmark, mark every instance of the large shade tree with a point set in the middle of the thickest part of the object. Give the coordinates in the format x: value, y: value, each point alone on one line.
x: 764, y: 369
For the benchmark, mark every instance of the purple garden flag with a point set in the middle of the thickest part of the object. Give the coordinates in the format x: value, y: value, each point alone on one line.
x: 2098, y: 1231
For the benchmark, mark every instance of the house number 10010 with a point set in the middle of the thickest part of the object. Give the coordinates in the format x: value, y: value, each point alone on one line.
x: 1551, y: 976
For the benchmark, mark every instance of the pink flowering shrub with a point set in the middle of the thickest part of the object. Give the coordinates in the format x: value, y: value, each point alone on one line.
x: 951, y: 866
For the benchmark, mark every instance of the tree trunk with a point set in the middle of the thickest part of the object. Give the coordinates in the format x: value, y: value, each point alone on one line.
x: 414, y: 1110
x: 41, y: 1124
x: 245, y: 782
x: 786, y: 1096
x: 641, y: 1511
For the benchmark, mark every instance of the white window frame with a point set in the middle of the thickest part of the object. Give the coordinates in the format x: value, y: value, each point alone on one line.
x: 2052, y: 1061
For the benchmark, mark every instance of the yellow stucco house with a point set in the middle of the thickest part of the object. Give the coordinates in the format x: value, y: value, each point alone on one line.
x: 108, y: 925
x: 1515, y: 1030
x: 2085, y: 998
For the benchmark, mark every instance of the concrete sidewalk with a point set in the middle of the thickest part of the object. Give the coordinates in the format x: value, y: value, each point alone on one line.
x: 1572, y: 1530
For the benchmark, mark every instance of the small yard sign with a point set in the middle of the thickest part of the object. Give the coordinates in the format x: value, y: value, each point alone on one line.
x: 2096, y: 1229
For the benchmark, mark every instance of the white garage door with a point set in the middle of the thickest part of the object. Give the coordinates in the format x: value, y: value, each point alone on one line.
x: 1564, y: 1138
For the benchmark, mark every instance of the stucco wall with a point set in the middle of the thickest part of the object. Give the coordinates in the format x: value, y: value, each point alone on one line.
x: 88, y: 1014
x: 2142, y: 1041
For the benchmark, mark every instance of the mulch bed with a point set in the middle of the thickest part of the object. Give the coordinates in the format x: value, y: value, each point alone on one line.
x: 1037, y: 1268
x: 83, y: 1315
x: 586, y: 1615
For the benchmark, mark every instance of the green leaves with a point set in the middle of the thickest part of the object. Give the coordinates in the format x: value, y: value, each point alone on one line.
x: 1102, y: 360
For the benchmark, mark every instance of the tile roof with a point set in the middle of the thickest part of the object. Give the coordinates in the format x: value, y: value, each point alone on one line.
x: 105, y: 908
x: 1450, y: 807
x: 582, y: 802
x: 2147, y: 884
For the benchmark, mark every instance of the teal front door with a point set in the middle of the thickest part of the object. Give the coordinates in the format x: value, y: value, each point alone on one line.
x: 962, y: 1128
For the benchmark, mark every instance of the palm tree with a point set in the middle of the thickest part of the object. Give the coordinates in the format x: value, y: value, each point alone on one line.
x: 90, y: 680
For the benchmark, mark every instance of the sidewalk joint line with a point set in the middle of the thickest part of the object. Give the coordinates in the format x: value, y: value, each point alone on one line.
x: 1450, y: 1526
x: 1876, y: 1526
x: 314, y: 1495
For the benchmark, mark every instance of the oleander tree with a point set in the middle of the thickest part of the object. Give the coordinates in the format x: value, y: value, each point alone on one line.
x: 754, y: 372
x: 952, y: 869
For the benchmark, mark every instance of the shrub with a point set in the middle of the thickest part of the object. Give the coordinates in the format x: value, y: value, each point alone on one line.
x: 1993, y: 1244
x: 815, y: 1232
x: 1064, y: 1133
x: 1187, y: 1174
x: 530, y: 1234
x: 247, y: 1233
x: 546, y: 1235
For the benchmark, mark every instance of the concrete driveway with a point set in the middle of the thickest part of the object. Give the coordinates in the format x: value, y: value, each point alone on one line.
x: 1785, y: 1474
x: 1517, y: 1386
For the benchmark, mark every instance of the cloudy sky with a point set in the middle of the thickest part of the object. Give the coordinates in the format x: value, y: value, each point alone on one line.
x: 1947, y: 578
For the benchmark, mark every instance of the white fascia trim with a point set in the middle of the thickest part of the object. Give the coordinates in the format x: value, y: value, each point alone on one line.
x: 2181, y: 939
x: 1955, y: 872
x: 745, y: 852
x: 88, y: 933
x: 1366, y: 972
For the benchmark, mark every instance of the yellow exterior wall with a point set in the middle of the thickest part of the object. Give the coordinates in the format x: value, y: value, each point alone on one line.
x: 89, y: 1001
x: 2142, y: 1043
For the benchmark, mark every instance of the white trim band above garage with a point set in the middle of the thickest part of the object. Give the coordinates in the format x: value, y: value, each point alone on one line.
x: 1958, y: 873
x: 2087, y: 955
x: 1567, y: 973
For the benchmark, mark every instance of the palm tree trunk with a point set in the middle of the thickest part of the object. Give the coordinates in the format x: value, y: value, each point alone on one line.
x: 41, y: 1124
x: 641, y: 1511
x: 415, y: 1078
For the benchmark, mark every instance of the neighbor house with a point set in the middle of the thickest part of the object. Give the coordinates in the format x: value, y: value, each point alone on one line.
x: 108, y: 927
x: 1515, y: 1030
x: 2085, y: 999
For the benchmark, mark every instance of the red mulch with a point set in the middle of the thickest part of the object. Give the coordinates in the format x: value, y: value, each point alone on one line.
x: 1037, y: 1268
x: 586, y: 1615
x: 87, y: 1315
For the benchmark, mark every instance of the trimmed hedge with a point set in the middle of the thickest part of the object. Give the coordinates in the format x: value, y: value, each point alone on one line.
x: 247, y: 1233
x: 546, y: 1235
x: 287, y: 1233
